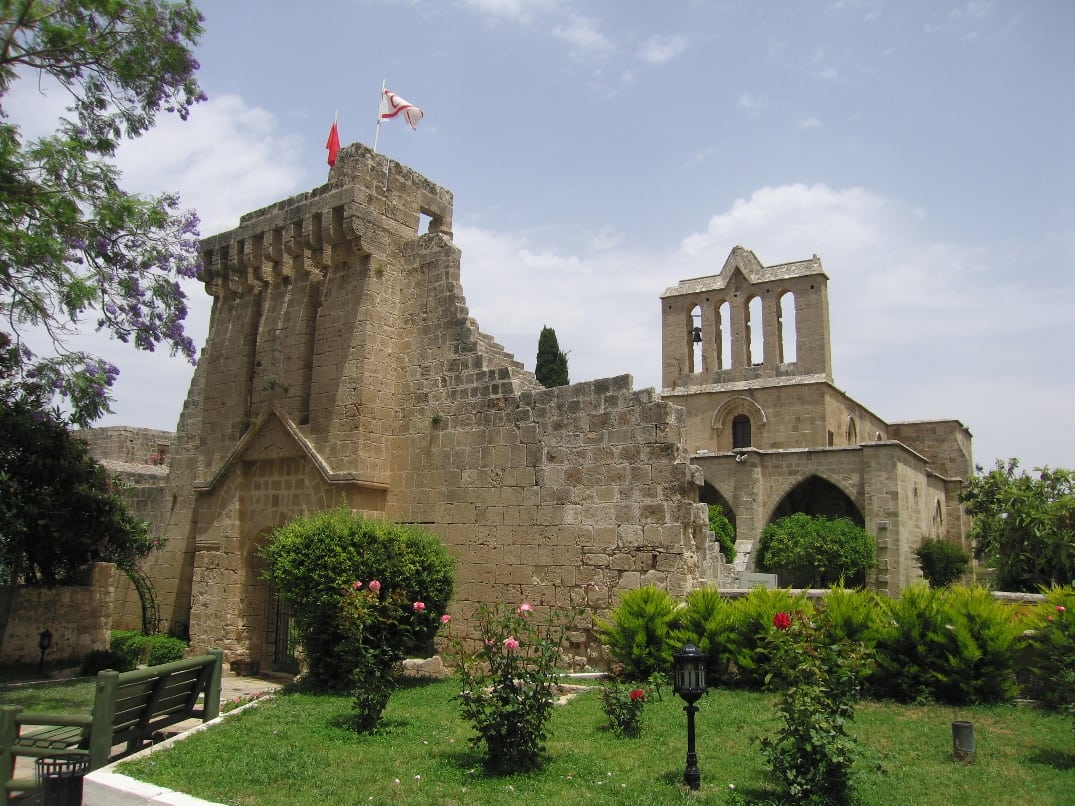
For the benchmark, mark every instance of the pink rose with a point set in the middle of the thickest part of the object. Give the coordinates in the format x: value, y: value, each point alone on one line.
x: 1061, y: 609
x: 445, y: 619
x: 356, y: 584
x: 510, y: 644
x: 525, y: 608
x: 419, y: 607
x: 375, y: 586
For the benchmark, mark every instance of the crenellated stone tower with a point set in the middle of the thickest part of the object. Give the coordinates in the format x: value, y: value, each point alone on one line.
x: 342, y: 367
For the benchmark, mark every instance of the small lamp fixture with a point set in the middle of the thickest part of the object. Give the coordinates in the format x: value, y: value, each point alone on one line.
x: 689, y: 683
x: 44, y: 643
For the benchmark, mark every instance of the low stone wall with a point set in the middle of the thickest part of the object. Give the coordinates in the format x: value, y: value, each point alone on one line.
x: 78, y: 616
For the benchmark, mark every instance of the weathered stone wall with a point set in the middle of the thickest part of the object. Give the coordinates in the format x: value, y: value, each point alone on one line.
x: 947, y: 443
x: 784, y: 415
x: 128, y: 445
x: 342, y: 366
x: 78, y: 616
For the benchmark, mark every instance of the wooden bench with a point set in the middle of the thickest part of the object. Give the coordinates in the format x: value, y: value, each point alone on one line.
x: 128, y: 709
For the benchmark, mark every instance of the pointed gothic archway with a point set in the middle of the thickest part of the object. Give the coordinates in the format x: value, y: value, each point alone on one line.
x: 815, y: 495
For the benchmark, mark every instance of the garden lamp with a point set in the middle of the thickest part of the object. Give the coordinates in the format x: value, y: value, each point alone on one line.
x: 44, y: 643
x: 689, y: 683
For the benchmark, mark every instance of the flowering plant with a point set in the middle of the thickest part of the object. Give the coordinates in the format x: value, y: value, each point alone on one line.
x: 379, y: 628
x: 819, y: 682
x: 507, y: 686
x: 623, y: 706
x: 1050, y: 651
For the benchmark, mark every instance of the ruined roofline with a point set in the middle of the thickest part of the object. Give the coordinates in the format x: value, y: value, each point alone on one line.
x: 747, y: 262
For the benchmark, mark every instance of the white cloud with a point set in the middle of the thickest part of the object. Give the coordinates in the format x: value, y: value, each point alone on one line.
x: 920, y: 328
x: 808, y: 123
x: 225, y: 160
x: 583, y: 35
x: 752, y: 103
x: 662, y: 49
x: 516, y: 10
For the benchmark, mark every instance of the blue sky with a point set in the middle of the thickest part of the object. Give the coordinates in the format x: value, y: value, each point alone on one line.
x: 599, y: 152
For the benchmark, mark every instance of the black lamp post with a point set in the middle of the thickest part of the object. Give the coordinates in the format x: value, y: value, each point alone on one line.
x: 689, y: 683
x: 44, y: 643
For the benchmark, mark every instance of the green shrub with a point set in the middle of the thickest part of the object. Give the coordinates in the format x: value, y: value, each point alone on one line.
x: 942, y: 563
x: 100, y: 659
x: 976, y: 659
x: 1049, y: 673
x: 813, y: 551
x: 751, y: 626
x: 165, y: 649
x: 639, y: 633
x: 313, y: 562
x: 911, y: 628
x: 378, y: 625
x: 136, y: 649
x: 955, y: 645
x: 623, y: 706
x: 723, y: 531
x: 705, y: 622
x: 507, y: 688
x: 813, y: 753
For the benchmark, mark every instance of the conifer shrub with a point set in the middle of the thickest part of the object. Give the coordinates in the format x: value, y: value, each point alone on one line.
x: 956, y: 645
x: 638, y: 633
x: 745, y: 644
x: 706, y: 621
x: 976, y: 658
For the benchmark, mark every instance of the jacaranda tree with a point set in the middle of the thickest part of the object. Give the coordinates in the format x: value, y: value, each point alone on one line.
x: 73, y: 243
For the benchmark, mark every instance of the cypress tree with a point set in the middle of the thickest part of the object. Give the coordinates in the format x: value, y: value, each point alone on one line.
x: 551, y: 366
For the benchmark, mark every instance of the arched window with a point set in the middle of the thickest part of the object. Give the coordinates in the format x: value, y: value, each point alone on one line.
x: 694, y: 339
x: 755, y: 333
x: 852, y: 432
x: 723, y: 336
x: 786, y: 327
x: 740, y: 431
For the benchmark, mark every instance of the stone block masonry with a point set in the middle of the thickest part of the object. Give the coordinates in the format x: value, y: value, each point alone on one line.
x: 342, y: 366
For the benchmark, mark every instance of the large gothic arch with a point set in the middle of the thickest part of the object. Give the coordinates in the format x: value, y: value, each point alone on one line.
x: 817, y: 495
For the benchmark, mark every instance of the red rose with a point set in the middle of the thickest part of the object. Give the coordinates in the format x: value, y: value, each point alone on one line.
x: 781, y: 620
x: 638, y: 694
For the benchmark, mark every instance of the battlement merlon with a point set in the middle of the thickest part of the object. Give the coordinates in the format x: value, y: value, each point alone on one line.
x: 367, y: 199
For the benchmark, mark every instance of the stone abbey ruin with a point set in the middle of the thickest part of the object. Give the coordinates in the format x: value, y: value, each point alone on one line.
x: 342, y: 367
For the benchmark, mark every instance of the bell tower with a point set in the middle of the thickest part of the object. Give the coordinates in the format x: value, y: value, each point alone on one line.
x: 748, y: 323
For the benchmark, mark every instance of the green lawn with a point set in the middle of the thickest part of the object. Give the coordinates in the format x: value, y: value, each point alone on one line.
x: 69, y: 695
x: 297, y: 748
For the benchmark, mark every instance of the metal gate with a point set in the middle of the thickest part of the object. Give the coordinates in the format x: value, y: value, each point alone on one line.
x: 283, y: 638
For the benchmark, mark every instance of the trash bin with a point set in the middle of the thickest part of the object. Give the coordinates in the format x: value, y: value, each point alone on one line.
x: 61, y: 780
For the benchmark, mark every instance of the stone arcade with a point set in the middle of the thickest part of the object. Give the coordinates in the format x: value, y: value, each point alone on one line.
x: 342, y: 366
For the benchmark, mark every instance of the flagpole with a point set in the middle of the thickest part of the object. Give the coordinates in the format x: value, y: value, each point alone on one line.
x: 377, y: 132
